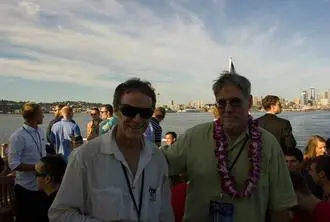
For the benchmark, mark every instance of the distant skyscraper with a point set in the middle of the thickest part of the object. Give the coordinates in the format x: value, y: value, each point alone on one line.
x: 304, y: 98
x: 312, y: 95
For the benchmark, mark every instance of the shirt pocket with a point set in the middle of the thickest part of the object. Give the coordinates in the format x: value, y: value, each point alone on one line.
x: 152, y: 201
x: 108, y: 204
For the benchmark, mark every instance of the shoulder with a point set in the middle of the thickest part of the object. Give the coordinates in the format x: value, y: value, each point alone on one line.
x: 283, y: 121
x: 16, y: 134
x: 203, y: 128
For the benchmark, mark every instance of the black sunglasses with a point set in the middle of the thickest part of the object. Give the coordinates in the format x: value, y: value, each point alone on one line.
x: 131, y: 111
x: 234, y: 102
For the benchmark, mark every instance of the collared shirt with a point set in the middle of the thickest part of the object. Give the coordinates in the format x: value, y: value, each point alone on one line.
x: 62, y: 132
x: 94, y: 187
x: 26, y: 145
x: 108, y: 124
x: 193, y: 153
x: 149, y: 133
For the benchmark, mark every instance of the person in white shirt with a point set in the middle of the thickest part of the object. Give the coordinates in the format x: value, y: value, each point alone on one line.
x: 119, y: 176
x: 27, y: 145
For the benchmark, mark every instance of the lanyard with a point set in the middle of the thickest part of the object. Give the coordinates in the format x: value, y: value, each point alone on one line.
x: 239, y: 154
x: 136, y: 207
x: 39, y: 147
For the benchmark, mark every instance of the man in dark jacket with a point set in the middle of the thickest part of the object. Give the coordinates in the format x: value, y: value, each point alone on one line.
x: 279, y: 127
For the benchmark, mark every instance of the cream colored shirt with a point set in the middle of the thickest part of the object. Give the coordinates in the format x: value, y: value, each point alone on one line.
x: 94, y: 186
x: 193, y: 153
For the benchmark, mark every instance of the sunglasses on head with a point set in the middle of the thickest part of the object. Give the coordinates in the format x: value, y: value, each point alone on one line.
x: 132, y: 111
x: 233, y: 102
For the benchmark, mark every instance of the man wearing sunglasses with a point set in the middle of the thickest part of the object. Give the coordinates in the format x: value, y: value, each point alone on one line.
x: 236, y: 170
x: 118, y: 176
x: 108, y: 119
x: 154, y: 130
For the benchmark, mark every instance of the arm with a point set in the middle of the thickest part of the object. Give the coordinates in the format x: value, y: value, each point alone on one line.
x: 166, y: 211
x: 289, y: 140
x: 89, y: 130
x: 69, y: 203
x: 176, y: 154
x: 16, y: 146
x: 281, y: 195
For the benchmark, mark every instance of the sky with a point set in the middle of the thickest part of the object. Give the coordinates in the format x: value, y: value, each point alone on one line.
x: 82, y: 49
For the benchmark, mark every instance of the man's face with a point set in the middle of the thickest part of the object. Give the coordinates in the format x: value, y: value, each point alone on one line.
x: 233, y: 107
x: 293, y: 164
x: 277, y: 108
x: 57, y: 111
x: 169, y: 139
x: 135, y: 111
x: 158, y: 115
x: 104, y: 113
x: 95, y: 115
x: 43, y: 180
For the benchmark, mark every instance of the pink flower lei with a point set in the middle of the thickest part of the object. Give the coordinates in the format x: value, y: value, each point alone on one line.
x: 228, y: 182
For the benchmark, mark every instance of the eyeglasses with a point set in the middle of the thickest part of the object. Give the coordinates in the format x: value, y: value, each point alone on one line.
x: 41, y: 174
x: 93, y: 114
x: 234, y: 103
x: 131, y: 111
x: 104, y: 111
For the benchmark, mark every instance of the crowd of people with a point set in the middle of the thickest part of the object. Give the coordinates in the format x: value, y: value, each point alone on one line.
x: 234, y: 168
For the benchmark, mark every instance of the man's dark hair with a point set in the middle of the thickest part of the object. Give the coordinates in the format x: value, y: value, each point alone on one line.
x: 322, y: 163
x: 299, y: 183
x: 108, y: 107
x: 230, y: 78
x: 172, y: 133
x: 54, y: 166
x: 269, y: 100
x: 95, y: 109
x: 295, y: 152
x: 131, y: 85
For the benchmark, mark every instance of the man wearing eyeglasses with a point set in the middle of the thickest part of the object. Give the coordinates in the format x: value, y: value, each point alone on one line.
x: 93, y: 126
x: 108, y: 119
x: 118, y: 176
x: 154, y: 130
x: 236, y: 169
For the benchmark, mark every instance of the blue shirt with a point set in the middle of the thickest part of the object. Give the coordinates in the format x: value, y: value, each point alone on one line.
x: 108, y: 124
x: 61, y: 134
x: 26, y: 145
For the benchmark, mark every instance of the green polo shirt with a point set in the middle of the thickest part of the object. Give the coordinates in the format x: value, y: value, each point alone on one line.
x: 193, y: 153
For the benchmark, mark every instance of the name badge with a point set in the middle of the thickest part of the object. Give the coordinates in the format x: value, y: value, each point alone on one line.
x: 221, y: 211
x: 152, y: 194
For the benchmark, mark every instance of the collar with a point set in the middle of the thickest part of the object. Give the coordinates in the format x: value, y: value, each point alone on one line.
x: 270, y: 113
x: 241, y: 137
x: 29, y: 128
x: 110, y: 146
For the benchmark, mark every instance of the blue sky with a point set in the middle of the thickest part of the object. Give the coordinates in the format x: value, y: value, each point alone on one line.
x: 82, y: 49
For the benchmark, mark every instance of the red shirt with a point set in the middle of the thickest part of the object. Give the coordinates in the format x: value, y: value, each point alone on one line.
x: 321, y: 213
x: 178, y: 200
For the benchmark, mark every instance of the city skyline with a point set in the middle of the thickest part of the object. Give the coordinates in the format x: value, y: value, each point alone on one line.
x: 81, y: 50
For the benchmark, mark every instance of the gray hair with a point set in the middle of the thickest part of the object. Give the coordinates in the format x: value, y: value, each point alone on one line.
x: 229, y: 78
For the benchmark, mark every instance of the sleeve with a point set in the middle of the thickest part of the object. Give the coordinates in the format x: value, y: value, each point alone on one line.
x: 289, y: 140
x: 282, y: 195
x: 166, y: 211
x: 77, y: 130
x: 16, y: 147
x: 176, y: 154
x: 69, y: 203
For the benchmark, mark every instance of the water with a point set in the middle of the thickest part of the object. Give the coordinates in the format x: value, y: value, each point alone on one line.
x: 304, y: 124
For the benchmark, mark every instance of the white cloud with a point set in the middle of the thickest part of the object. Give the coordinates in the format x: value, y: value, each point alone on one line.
x: 105, y: 42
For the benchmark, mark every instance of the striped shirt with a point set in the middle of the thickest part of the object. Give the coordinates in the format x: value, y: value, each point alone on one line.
x: 157, y: 130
